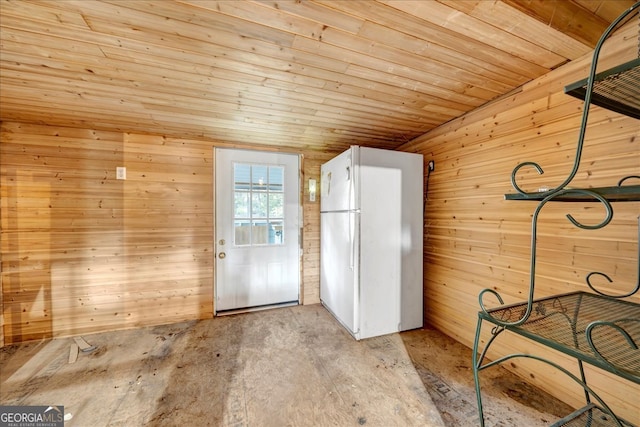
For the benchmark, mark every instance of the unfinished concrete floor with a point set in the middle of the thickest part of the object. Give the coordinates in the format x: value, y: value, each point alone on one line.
x: 292, y: 366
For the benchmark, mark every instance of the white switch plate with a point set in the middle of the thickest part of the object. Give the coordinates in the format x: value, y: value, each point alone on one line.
x: 121, y: 172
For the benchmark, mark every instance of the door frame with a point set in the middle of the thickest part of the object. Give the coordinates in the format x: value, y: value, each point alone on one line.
x: 300, y: 227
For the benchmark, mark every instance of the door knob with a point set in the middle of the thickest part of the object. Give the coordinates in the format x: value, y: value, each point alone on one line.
x: 222, y: 255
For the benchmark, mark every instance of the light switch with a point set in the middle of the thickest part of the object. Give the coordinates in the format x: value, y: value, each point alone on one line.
x: 121, y: 172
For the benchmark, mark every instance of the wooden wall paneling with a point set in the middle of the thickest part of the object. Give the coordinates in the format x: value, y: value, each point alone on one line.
x: 311, y: 228
x: 83, y: 252
x: 474, y: 239
x: 1, y: 292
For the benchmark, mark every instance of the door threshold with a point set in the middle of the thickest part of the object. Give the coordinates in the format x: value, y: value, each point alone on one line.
x: 257, y: 308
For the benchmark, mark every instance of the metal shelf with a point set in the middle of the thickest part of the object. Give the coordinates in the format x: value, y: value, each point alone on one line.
x: 561, y: 322
x: 617, y: 89
x: 626, y: 193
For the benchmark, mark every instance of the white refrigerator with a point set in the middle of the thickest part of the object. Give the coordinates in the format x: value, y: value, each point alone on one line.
x: 371, y: 241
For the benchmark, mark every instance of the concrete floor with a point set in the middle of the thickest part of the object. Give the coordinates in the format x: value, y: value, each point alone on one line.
x: 292, y: 366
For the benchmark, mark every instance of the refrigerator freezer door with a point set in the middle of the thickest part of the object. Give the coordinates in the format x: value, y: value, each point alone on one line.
x: 338, y: 182
x: 339, y: 266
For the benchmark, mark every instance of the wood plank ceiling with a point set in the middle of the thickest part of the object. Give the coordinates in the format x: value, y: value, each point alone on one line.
x: 320, y: 74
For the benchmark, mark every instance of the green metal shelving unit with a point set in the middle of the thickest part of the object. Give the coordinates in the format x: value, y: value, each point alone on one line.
x: 593, y: 327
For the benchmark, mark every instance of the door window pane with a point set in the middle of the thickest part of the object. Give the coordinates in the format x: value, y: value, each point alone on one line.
x: 241, y: 204
x: 259, y: 178
x: 242, y: 232
x: 241, y: 177
x: 260, y: 233
x: 276, y: 209
x: 277, y: 231
x: 258, y: 204
x: 276, y: 178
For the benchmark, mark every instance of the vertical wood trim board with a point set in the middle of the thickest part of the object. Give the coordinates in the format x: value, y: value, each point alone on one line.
x: 474, y: 239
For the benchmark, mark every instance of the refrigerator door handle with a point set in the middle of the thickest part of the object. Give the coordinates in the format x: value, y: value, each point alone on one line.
x: 353, y: 237
x: 353, y: 205
x: 351, y: 241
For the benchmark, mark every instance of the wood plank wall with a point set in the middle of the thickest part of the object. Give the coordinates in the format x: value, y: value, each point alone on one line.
x: 474, y: 239
x: 84, y: 252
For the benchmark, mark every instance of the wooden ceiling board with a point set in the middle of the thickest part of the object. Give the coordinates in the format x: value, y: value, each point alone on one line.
x: 303, y: 75
x: 431, y: 51
x: 514, y: 22
x: 583, y: 20
x: 476, y: 29
x: 395, y: 61
x: 605, y: 9
x: 431, y: 35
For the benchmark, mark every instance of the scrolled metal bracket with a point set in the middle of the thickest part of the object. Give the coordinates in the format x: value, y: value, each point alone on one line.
x: 615, y: 326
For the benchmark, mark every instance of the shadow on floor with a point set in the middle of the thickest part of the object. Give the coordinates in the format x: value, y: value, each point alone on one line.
x: 507, y: 399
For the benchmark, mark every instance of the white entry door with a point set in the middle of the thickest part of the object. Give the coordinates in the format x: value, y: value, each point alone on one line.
x: 257, y: 229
